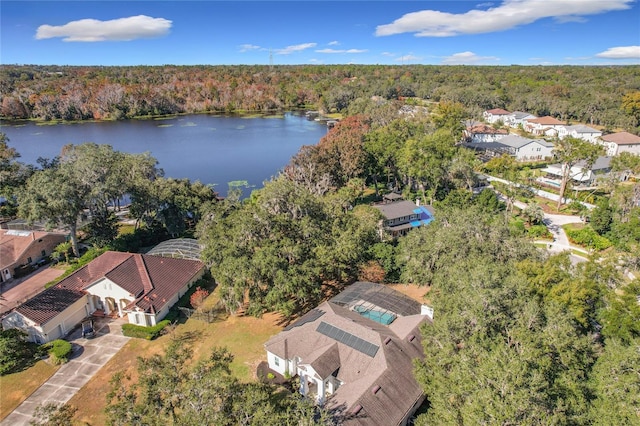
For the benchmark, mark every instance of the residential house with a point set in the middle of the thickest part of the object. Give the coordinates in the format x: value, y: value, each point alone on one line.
x: 495, y: 115
x: 483, y: 133
x: 547, y: 126
x: 517, y: 119
x: 19, y: 248
x: 523, y: 149
x: 580, y: 174
x: 615, y: 143
x: 355, y: 353
x: 137, y: 286
x: 580, y: 131
x: 401, y: 215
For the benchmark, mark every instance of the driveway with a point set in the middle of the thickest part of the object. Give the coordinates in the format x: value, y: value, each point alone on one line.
x: 19, y: 290
x: 88, y: 357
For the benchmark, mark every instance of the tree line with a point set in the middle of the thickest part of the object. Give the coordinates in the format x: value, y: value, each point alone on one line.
x: 593, y: 95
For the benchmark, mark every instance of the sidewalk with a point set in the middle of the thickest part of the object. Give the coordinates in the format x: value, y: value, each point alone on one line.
x: 89, y: 355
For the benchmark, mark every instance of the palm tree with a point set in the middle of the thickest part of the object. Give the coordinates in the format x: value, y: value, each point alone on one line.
x: 62, y: 249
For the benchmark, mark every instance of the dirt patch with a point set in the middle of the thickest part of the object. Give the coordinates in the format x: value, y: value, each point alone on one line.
x: 414, y: 291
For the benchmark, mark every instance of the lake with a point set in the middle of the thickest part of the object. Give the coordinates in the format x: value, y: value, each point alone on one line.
x: 214, y: 149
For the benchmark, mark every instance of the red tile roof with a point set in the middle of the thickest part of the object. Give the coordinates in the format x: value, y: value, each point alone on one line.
x: 153, y: 280
x: 546, y: 121
x: 622, y: 138
x: 498, y: 111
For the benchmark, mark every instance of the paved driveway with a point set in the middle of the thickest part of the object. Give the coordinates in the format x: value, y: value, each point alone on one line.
x: 19, y: 290
x: 88, y: 357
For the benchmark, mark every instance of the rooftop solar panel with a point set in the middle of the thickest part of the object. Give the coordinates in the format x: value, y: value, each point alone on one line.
x: 348, y: 339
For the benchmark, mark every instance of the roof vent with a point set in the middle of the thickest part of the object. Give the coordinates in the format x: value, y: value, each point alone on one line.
x: 356, y: 409
x: 387, y: 340
x: 375, y: 389
x: 412, y: 337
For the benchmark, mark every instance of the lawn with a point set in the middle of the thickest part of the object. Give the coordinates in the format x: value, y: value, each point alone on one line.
x: 16, y: 387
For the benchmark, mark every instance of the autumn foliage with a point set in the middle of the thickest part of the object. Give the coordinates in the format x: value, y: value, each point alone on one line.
x: 198, y: 297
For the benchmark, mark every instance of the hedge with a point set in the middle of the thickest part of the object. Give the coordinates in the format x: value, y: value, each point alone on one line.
x: 149, y: 333
x: 589, y: 238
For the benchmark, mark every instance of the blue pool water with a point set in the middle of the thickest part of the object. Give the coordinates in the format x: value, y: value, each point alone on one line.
x: 384, y: 318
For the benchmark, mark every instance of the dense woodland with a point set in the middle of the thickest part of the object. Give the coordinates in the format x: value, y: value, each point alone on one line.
x: 592, y: 95
x: 519, y: 336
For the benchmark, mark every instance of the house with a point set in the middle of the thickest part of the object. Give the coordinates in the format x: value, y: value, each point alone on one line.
x: 523, y: 149
x: 483, y: 133
x: 615, y: 143
x: 140, y: 287
x: 495, y: 115
x: 547, y: 126
x: 19, y: 248
x: 401, y: 215
x: 517, y: 119
x: 580, y: 131
x: 580, y: 174
x: 355, y: 352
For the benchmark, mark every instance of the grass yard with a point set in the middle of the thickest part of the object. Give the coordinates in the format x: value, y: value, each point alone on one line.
x: 16, y: 387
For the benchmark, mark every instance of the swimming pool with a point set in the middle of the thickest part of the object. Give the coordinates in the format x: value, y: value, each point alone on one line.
x: 384, y: 318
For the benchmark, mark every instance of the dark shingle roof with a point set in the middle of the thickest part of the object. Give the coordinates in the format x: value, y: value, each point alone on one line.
x: 396, y: 209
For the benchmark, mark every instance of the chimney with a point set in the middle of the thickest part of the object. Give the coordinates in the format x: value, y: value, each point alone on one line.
x: 418, y: 202
x: 427, y: 310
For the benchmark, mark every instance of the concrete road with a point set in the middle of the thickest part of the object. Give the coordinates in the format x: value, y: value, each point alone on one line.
x: 88, y: 357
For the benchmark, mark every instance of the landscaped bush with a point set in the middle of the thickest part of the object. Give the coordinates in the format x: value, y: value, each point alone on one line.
x: 15, y: 352
x: 538, y: 231
x: 59, y: 351
x: 589, y: 238
x: 149, y: 333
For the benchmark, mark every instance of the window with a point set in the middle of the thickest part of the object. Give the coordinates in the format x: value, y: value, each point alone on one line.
x: 276, y: 361
x: 29, y: 260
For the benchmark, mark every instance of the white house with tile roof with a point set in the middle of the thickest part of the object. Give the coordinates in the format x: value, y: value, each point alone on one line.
x: 140, y: 287
x: 615, y: 143
x: 495, y: 115
x: 547, y: 126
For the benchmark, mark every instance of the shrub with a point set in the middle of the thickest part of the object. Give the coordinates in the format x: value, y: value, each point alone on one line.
x: 538, y: 231
x: 587, y: 237
x: 59, y: 351
x: 141, y: 332
x: 198, y: 297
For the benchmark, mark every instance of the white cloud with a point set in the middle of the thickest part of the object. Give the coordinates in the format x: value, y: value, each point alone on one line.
x: 622, y: 52
x: 509, y: 14
x: 123, y: 29
x: 467, y: 58
x: 295, y: 48
x: 248, y: 47
x: 407, y: 58
x: 341, y: 51
x: 333, y: 43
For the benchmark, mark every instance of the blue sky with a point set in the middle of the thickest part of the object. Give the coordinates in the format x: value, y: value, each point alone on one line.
x: 524, y: 32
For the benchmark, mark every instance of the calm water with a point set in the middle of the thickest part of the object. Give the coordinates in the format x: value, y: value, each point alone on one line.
x: 212, y: 149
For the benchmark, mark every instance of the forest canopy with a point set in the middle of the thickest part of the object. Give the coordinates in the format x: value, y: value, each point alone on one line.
x: 604, y: 96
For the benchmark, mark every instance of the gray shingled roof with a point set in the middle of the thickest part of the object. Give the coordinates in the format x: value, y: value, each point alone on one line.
x: 396, y: 209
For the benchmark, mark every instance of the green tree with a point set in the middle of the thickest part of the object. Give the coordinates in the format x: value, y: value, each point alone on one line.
x: 15, y: 351
x: 62, y: 250
x: 570, y: 151
x: 617, y: 384
x: 13, y: 176
x: 172, y: 389
x: 601, y: 217
x: 534, y: 213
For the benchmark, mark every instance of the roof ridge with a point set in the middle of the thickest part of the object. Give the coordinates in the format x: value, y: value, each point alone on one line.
x: 147, y: 285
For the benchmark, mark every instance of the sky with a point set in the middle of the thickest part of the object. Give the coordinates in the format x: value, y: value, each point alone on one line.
x: 522, y: 32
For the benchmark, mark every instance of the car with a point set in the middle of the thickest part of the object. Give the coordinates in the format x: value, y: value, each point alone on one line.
x: 87, y: 329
